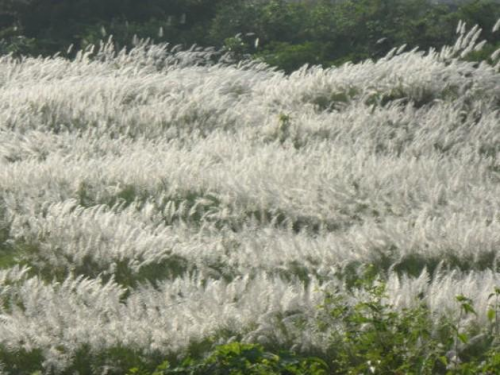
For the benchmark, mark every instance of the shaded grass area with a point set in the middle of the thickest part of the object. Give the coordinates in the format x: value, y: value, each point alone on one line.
x: 369, y: 336
x: 197, y: 207
x: 171, y: 266
x: 8, y: 257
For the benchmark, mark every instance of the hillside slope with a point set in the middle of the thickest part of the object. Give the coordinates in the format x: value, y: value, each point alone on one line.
x: 156, y: 199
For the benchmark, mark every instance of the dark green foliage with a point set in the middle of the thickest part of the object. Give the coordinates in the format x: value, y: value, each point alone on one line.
x: 242, y: 359
x: 116, y: 360
x: 7, y: 252
x: 372, y: 337
x: 290, y: 57
x: 21, y: 362
x: 57, y: 24
x: 368, y: 337
x: 282, y: 33
x: 375, y: 338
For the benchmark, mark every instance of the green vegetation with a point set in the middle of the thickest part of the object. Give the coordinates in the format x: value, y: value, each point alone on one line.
x: 369, y: 337
x: 238, y: 358
x: 283, y: 34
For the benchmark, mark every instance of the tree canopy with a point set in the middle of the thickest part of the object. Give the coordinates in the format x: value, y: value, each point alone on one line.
x: 284, y: 33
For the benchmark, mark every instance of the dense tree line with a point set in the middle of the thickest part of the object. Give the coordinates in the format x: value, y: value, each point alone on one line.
x: 284, y: 33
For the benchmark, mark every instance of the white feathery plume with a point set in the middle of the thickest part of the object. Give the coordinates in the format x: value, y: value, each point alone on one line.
x: 496, y: 27
x: 495, y: 54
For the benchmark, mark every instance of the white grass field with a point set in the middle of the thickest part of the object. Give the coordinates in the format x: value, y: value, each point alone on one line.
x: 157, y: 198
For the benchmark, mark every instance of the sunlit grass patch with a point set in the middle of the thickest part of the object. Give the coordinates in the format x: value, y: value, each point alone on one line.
x: 161, y: 204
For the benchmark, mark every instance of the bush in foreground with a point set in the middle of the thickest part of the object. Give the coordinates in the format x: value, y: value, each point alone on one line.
x: 370, y: 337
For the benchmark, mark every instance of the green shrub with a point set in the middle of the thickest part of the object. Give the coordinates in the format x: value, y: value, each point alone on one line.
x: 290, y: 57
x: 369, y: 337
x: 286, y: 34
x: 373, y: 337
x: 239, y: 359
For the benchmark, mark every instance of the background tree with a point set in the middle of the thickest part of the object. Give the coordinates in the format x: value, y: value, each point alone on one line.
x: 283, y: 33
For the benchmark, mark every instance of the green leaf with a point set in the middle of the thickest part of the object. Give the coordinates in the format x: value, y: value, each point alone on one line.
x: 491, y: 314
x: 463, y: 337
x: 469, y: 309
x: 443, y: 360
